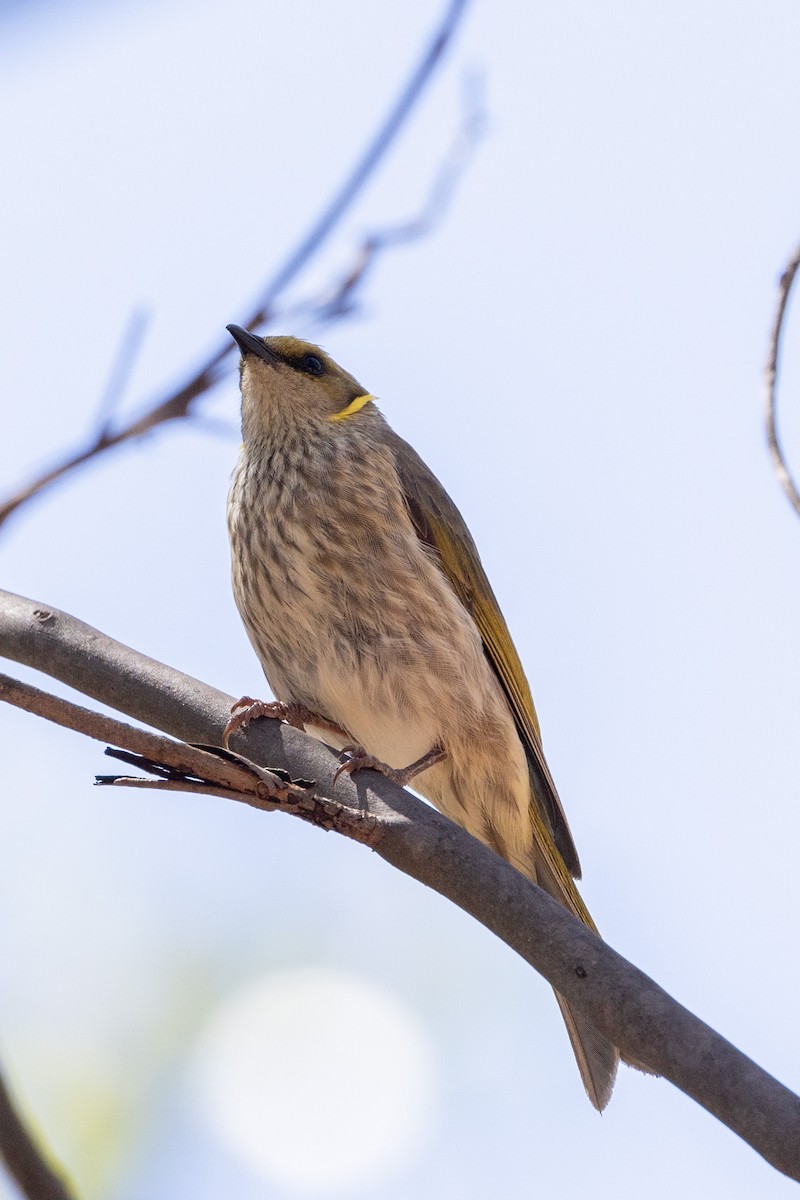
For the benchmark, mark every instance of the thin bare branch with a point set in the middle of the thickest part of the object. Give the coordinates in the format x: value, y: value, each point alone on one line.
x: 365, y: 167
x: 121, y: 369
x: 770, y: 375
x: 340, y: 301
x: 178, y: 404
x: 271, y: 791
x: 632, y: 1011
x: 182, y: 767
x: 24, y: 1161
x: 173, y: 407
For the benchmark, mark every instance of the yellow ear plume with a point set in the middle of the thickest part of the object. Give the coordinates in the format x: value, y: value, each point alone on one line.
x: 353, y: 407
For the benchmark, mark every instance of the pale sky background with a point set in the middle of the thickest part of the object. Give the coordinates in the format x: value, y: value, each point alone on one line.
x: 577, y: 352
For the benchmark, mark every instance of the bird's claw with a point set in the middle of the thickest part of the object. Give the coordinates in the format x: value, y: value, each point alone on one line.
x: 247, y: 709
x: 359, y: 760
x: 297, y: 715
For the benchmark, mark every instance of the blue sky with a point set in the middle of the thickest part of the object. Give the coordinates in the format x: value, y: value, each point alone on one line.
x: 577, y: 353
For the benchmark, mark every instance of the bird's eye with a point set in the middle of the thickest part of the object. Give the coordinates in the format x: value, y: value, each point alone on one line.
x: 313, y: 365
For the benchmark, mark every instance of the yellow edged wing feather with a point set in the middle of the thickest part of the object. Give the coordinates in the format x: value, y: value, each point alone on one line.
x: 440, y: 525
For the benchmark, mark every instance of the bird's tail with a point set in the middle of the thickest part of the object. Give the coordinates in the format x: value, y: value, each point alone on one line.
x: 597, y: 1058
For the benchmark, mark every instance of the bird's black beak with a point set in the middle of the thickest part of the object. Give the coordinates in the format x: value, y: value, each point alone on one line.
x: 248, y: 343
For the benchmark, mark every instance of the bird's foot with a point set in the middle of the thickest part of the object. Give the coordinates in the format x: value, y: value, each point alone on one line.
x: 358, y: 760
x: 297, y: 715
x: 247, y: 709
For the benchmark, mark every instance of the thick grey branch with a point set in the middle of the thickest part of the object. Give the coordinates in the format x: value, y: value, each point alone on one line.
x: 629, y: 1008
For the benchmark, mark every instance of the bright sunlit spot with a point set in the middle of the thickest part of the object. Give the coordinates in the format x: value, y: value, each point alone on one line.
x: 318, y: 1079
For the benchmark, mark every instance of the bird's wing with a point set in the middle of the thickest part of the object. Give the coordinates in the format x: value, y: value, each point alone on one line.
x: 440, y: 525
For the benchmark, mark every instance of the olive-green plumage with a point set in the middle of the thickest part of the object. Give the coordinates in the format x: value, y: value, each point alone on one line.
x: 365, y: 600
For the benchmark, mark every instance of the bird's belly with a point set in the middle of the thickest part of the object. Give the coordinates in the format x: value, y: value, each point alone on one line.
x: 389, y: 709
x: 381, y: 645
x: 403, y: 707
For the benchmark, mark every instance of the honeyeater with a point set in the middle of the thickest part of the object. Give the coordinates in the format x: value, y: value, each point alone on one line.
x: 364, y: 598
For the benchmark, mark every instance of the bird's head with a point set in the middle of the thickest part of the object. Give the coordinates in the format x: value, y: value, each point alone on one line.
x: 286, y: 381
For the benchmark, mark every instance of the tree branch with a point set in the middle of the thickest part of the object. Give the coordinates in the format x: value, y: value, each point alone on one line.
x: 631, y: 1010
x: 339, y: 300
x: 770, y: 374
x: 121, y: 368
x: 366, y: 166
x: 23, y: 1159
x: 178, y: 404
x: 207, y: 770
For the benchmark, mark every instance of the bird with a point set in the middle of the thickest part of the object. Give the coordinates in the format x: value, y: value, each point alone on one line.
x: 365, y: 600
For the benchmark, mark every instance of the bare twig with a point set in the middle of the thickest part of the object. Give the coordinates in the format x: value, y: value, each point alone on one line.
x: 636, y: 1015
x: 770, y: 374
x: 178, y: 404
x: 123, y: 364
x: 269, y: 790
x: 340, y: 301
x: 174, y: 406
x: 182, y: 767
x: 365, y: 167
x: 25, y: 1162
